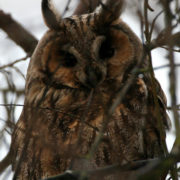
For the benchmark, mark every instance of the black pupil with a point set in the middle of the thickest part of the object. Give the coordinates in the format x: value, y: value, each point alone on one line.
x: 106, y: 51
x: 69, y: 59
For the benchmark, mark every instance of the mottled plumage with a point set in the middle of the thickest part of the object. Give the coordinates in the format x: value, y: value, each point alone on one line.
x: 74, y: 76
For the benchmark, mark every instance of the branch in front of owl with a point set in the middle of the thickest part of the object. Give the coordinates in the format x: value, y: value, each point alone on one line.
x: 21, y: 105
x: 145, y: 169
x: 116, y: 99
x: 120, y: 97
x: 21, y: 92
x: 17, y: 33
x: 164, y: 38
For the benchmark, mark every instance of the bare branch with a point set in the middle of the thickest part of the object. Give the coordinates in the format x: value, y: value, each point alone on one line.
x: 145, y: 169
x: 17, y: 33
x: 164, y: 39
x: 5, y: 162
x: 14, y: 62
x: 66, y: 8
x: 165, y: 66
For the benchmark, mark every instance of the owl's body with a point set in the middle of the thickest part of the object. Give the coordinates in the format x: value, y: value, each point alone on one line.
x: 73, y: 80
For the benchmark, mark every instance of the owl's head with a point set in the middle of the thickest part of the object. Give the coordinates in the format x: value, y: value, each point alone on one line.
x: 87, y: 49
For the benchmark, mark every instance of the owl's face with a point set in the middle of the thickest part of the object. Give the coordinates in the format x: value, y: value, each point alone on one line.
x: 89, y: 49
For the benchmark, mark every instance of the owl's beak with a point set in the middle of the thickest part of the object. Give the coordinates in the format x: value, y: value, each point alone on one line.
x: 94, y: 76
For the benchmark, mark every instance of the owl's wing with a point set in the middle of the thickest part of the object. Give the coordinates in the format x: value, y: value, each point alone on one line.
x: 155, y: 91
x: 157, y: 117
x: 162, y: 101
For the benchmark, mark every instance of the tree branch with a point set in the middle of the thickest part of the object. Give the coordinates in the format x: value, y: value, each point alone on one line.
x: 5, y: 162
x: 13, y: 63
x: 164, y: 39
x: 17, y: 33
x: 144, y: 169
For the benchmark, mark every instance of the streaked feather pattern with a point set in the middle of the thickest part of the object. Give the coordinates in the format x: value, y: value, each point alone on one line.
x: 76, y: 70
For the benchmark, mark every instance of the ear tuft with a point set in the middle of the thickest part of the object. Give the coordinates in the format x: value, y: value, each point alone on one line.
x: 50, y: 15
x: 109, y: 10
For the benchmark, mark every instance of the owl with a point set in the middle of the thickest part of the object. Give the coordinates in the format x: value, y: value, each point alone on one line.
x: 85, y: 108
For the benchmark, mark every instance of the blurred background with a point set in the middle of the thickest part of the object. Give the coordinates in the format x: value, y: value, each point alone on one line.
x: 28, y: 14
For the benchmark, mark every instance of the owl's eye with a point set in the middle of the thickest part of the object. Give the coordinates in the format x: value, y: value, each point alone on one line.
x: 69, y: 60
x: 106, y: 51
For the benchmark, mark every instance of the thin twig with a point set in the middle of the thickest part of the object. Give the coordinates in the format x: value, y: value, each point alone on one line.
x: 165, y: 66
x: 145, y: 169
x: 66, y: 8
x: 172, y: 79
x: 154, y: 21
x: 14, y: 62
x: 163, y: 39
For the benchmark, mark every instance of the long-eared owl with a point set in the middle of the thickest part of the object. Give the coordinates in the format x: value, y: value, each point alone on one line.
x: 84, y: 107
